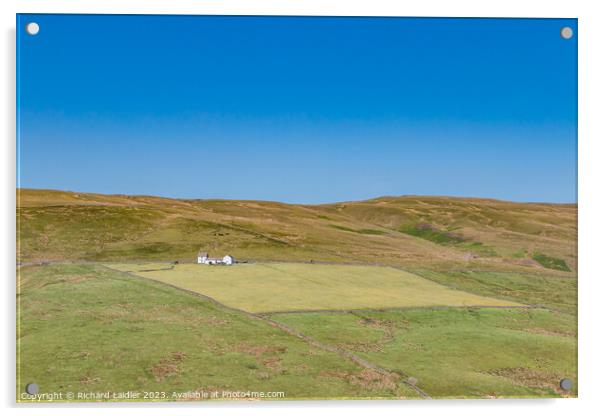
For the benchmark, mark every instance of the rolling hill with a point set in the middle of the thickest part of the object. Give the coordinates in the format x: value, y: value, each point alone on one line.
x: 426, y: 297
x: 417, y: 231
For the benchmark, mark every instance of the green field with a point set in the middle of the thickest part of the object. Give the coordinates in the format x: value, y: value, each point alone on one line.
x: 85, y: 328
x: 458, y: 352
x: 552, y: 291
x: 89, y: 328
x: 293, y: 286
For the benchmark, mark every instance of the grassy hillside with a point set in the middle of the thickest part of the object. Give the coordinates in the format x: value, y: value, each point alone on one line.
x: 441, y: 232
x: 85, y: 328
x: 458, y: 352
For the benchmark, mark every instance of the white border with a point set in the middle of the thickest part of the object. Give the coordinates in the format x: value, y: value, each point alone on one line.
x: 590, y: 201
x: 467, y: 8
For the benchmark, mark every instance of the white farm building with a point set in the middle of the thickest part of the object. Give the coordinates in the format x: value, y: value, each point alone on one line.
x: 203, y: 258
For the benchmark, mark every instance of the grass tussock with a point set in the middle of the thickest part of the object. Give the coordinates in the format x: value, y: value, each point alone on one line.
x: 550, y: 262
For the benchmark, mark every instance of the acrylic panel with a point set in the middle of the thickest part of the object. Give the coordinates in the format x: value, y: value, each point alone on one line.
x: 295, y: 208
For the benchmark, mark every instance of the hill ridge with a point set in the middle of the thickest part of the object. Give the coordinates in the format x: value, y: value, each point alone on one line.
x: 409, y: 230
x: 382, y: 198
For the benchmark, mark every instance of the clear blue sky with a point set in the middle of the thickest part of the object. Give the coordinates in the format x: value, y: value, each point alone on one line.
x: 298, y: 109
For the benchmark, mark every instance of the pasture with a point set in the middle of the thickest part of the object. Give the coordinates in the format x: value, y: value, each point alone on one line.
x: 273, y: 287
x: 485, y: 353
x: 85, y: 328
x: 90, y: 328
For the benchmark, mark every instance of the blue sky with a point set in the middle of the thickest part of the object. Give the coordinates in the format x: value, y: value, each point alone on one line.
x: 296, y: 109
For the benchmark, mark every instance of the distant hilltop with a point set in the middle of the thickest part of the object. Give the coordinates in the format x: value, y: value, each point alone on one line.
x: 80, y: 197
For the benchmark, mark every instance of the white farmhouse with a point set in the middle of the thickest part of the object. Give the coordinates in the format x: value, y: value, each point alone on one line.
x: 203, y: 258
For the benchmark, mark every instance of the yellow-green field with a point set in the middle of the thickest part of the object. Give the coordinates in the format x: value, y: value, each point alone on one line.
x: 271, y: 287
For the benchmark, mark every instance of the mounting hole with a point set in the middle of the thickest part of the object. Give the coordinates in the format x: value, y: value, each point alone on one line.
x: 32, y: 28
x: 566, y: 32
x: 32, y: 388
x: 566, y: 384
